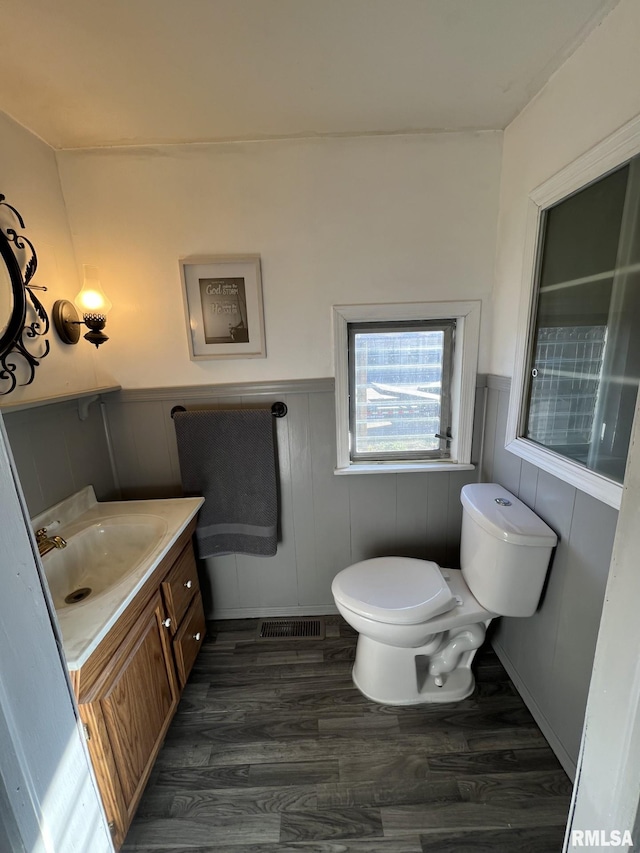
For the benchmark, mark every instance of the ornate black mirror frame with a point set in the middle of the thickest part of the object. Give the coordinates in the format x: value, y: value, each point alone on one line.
x: 27, y: 319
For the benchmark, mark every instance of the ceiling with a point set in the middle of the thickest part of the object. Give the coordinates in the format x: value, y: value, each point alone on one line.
x: 84, y: 73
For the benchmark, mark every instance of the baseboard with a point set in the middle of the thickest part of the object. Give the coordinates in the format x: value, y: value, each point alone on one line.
x: 266, y: 612
x: 562, y: 755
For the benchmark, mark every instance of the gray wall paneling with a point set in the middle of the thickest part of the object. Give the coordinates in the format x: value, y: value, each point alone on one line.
x: 299, y: 429
x: 57, y: 454
x: 327, y: 521
x: 590, y: 547
x: 331, y: 506
x: 550, y: 655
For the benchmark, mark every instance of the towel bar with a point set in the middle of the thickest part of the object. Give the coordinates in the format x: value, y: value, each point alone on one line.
x: 278, y: 410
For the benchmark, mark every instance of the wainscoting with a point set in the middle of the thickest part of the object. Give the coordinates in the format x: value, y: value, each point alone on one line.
x: 327, y: 522
x: 58, y: 454
x: 550, y: 656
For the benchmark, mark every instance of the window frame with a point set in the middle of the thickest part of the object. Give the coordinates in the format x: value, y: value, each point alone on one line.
x: 462, y: 386
x: 595, y: 164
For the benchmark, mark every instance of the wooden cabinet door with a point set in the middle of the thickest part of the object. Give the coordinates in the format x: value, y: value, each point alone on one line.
x: 138, y: 696
x: 140, y: 701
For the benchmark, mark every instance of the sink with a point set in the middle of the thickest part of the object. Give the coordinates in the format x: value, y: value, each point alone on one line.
x: 113, y: 547
x: 99, y: 556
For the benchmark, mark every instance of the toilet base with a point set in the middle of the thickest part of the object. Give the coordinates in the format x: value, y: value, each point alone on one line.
x: 398, y: 676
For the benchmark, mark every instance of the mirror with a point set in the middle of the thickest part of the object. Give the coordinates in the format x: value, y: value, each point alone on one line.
x: 23, y: 318
x: 12, y: 301
x: 6, y: 300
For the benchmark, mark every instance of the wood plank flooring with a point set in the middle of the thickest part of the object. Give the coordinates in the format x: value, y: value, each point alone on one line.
x: 273, y: 750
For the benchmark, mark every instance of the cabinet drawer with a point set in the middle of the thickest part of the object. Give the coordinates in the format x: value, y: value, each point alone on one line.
x: 187, y: 642
x: 179, y: 587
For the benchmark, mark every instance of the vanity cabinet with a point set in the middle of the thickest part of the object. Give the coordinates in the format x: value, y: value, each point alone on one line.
x: 129, y: 688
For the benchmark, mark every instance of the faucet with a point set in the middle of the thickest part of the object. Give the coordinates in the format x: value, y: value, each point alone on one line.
x: 48, y: 543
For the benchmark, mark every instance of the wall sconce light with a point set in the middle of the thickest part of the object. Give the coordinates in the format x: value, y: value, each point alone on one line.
x: 93, y: 303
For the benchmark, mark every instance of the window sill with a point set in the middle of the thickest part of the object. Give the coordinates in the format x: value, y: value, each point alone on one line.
x: 596, y: 485
x: 402, y: 467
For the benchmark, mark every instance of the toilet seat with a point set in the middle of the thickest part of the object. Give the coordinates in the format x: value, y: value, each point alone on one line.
x: 395, y: 590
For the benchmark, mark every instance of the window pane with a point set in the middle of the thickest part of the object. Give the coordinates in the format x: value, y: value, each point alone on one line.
x: 563, y: 402
x: 585, y: 359
x: 398, y: 391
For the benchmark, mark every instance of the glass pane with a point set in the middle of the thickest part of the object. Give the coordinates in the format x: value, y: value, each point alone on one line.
x: 586, y: 354
x: 564, y: 395
x: 398, y: 388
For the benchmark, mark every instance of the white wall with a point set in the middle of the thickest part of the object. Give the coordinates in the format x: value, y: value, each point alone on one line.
x: 29, y: 179
x: 594, y: 93
x: 399, y: 218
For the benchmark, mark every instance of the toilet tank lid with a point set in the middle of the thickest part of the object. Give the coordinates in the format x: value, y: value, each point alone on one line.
x: 512, y: 521
x: 397, y: 590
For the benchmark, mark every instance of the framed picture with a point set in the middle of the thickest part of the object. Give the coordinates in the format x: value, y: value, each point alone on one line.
x: 223, y: 305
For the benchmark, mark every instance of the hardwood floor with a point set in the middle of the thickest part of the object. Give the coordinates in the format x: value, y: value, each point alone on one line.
x: 273, y: 750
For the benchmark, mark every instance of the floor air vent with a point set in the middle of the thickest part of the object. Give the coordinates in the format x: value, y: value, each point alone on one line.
x: 291, y: 629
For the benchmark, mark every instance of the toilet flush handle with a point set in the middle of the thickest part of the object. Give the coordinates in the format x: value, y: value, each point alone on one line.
x: 502, y: 502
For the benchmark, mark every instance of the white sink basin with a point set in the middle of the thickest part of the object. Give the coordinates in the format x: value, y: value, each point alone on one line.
x: 112, y: 548
x: 100, y: 556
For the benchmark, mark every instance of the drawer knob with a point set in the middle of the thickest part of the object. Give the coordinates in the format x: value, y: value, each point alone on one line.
x: 188, y: 584
x: 196, y: 637
x: 167, y: 622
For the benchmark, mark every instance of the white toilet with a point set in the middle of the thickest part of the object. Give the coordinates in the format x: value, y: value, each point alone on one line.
x: 420, y: 625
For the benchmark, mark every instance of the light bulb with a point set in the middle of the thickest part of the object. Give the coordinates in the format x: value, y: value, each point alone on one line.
x: 92, y: 298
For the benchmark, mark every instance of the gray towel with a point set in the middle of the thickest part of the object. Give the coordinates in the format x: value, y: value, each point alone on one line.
x: 228, y: 457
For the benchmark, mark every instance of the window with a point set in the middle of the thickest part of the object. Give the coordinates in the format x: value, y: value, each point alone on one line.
x: 579, y: 381
x: 405, y: 383
x: 399, y: 399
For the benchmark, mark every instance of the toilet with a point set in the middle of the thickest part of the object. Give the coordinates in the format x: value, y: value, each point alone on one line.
x: 420, y: 625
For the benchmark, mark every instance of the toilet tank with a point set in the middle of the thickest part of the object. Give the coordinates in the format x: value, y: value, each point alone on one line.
x: 505, y: 550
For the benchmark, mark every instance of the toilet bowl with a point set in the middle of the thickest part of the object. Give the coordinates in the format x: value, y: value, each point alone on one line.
x: 420, y: 625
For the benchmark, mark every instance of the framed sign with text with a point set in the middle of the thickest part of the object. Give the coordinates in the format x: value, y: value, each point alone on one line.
x: 223, y: 305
